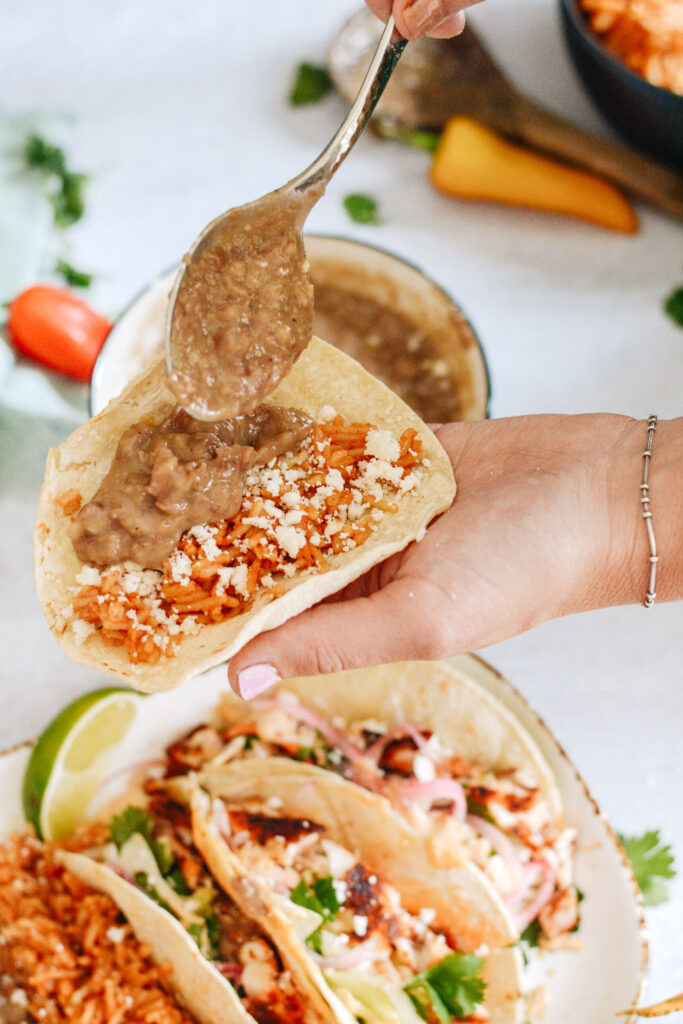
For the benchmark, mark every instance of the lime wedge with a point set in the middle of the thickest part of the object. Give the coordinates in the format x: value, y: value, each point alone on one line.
x: 71, y: 757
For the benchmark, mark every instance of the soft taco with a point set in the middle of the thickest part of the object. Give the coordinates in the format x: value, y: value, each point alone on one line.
x: 71, y: 952
x: 379, y: 952
x: 222, y: 954
x: 365, y: 481
x: 426, y: 743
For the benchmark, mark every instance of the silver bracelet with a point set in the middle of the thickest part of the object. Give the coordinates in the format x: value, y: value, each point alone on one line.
x: 647, y: 514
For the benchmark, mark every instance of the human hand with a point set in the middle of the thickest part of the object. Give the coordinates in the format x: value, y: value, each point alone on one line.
x: 440, y: 19
x: 546, y: 522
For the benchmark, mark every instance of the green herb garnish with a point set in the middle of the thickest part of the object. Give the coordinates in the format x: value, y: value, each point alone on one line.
x: 67, y: 195
x: 132, y: 820
x: 320, y: 897
x: 74, y: 278
x: 176, y: 880
x: 142, y: 881
x: 361, y: 208
x: 127, y: 823
x: 652, y: 863
x: 412, y: 137
x: 674, y: 306
x: 311, y: 83
x: 453, y: 988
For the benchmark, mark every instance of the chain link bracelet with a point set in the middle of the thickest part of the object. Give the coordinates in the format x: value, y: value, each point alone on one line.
x: 647, y: 514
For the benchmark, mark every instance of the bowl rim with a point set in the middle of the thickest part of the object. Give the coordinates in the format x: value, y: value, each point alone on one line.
x: 100, y: 362
x: 573, y: 11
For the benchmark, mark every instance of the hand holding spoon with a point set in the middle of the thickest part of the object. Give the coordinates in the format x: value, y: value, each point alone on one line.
x: 241, y: 307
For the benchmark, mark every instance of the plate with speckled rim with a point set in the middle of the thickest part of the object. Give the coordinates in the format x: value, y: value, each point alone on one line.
x: 589, y: 985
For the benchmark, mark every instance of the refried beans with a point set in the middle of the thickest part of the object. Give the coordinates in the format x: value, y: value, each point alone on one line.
x: 244, y: 309
x: 168, y: 478
x: 391, y: 347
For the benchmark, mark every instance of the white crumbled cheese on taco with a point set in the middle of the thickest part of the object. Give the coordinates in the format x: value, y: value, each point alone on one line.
x: 423, y: 768
x: 181, y: 567
x: 19, y: 997
x: 360, y: 925
x: 290, y: 539
x: 408, y: 483
x: 294, y: 516
x: 382, y: 445
x: 339, y: 887
x: 326, y: 413
x: 81, y: 630
x: 140, y: 581
x: 426, y: 915
x: 335, y: 480
x: 67, y: 611
x: 116, y: 934
x: 189, y: 626
x: 379, y: 469
x: 89, y: 576
x: 290, y: 499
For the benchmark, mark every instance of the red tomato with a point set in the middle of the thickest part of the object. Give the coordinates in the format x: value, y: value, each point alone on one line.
x: 57, y: 329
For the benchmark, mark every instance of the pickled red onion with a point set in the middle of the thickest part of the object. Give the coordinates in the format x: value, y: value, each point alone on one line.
x: 530, y: 912
x: 308, y: 717
x: 228, y: 969
x: 437, y: 789
x: 376, y: 749
x: 502, y: 846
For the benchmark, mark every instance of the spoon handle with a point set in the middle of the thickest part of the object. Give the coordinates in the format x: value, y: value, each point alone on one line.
x: 383, y: 63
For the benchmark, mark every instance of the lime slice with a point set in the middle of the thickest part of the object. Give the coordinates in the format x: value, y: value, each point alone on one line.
x: 71, y: 757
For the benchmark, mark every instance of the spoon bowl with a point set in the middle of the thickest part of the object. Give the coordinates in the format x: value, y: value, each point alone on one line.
x: 241, y: 307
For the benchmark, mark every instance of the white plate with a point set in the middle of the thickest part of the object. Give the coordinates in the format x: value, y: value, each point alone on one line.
x: 588, y: 986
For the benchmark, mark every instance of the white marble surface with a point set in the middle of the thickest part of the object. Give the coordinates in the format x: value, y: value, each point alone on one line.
x: 178, y: 110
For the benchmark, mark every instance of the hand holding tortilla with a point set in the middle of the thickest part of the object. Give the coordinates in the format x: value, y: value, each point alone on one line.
x: 546, y: 523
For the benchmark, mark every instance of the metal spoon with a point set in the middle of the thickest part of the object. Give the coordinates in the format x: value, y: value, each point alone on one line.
x: 242, y: 304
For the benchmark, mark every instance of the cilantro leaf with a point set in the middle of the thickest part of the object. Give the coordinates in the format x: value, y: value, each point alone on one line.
x: 74, y: 278
x: 361, y: 208
x: 674, y: 306
x: 320, y: 896
x: 311, y: 83
x: 68, y: 203
x: 142, y: 881
x: 213, y: 935
x: 127, y: 823
x: 416, y: 138
x: 176, y: 880
x: 652, y: 864
x: 132, y: 820
x: 43, y: 156
x: 48, y: 160
x: 452, y: 988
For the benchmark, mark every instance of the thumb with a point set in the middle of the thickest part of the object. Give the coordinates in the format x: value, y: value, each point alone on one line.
x: 386, y: 626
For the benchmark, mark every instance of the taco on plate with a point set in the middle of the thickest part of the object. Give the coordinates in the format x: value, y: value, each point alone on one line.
x: 164, y: 544
x: 387, y: 936
x: 429, y: 744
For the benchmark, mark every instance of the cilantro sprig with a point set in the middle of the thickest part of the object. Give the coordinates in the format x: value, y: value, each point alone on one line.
x: 653, y: 865
x: 66, y: 188
x: 361, y: 208
x: 132, y: 820
x: 453, y: 988
x: 73, y: 277
x: 311, y: 83
x: 319, y: 896
x: 673, y: 305
x: 416, y: 138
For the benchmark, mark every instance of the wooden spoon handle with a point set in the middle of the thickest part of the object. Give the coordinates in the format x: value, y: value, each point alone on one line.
x: 645, y: 178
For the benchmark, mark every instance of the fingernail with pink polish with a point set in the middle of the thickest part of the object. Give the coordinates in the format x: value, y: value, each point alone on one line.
x: 255, y: 679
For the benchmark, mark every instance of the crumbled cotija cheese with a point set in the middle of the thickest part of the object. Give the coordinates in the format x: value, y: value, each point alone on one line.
x: 382, y: 445
x: 89, y: 576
